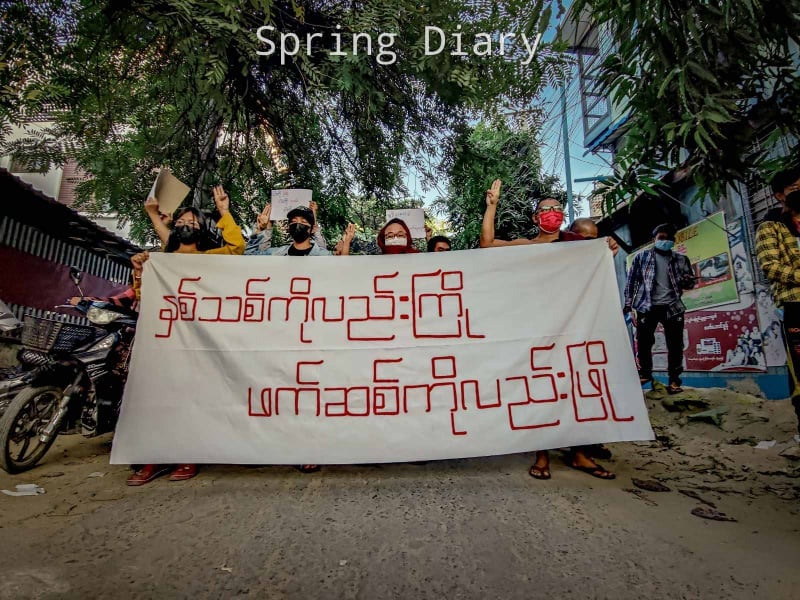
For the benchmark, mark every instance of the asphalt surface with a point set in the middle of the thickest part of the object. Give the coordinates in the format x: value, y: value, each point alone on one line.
x: 477, y: 528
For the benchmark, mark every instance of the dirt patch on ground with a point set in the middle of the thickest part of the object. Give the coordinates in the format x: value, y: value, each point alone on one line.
x: 476, y: 528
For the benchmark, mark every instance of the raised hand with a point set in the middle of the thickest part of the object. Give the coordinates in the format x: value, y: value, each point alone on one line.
x: 262, y: 220
x: 221, y: 200
x: 151, y: 206
x: 493, y: 193
x: 313, y: 206
x: 344, y: 245
x: 349, y: 233
x: 138, y: 260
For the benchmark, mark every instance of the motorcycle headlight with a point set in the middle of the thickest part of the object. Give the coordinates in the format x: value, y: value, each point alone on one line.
x: 101, y: 316
x: 103, y: 344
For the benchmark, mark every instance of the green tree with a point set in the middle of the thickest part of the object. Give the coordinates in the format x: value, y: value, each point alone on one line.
x: 478, y: 156
x: 180, y: 82
x: 702, y: 81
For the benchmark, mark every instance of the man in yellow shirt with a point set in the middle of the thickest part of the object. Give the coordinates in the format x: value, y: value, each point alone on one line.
x: 778, y: 254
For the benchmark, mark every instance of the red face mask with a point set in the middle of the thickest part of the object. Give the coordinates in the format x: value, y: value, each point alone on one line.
x: 550, y: 222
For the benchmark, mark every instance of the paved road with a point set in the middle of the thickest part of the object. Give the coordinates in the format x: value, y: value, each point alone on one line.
x: 478, y: 528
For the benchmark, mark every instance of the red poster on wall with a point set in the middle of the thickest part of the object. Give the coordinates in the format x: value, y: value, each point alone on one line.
x: 724, y: 340
x: 717, y: 340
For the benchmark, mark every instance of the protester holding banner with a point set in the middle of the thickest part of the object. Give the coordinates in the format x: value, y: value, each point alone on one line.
x: 395, y: 238
x: 549, y: 217
x: 302, y: 222
x: 187, y: 236
x: 778, y: 254
x: 656, y: 281
x: 186, y: 239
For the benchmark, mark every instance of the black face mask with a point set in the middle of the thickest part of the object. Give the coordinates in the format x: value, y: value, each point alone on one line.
x: 793, y: 201
x: 186, y: 234
x: 300, y: 232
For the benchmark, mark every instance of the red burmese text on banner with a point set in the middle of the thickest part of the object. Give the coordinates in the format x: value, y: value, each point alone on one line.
x: 379, y: 359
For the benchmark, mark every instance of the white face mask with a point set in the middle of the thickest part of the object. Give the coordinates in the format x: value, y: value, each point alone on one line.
x: 397, y: 241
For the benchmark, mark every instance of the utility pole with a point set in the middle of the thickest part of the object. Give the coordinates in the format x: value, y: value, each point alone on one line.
x: 567, y: 165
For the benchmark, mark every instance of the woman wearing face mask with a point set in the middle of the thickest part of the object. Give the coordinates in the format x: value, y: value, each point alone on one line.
x: 186, y: 238
x: 189, y: 224
x: 395, y: 238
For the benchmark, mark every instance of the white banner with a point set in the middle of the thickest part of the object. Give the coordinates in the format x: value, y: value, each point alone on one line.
x: 325, y: 360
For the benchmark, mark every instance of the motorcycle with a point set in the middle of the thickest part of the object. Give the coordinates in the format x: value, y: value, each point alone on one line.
x: 8, y: 322
x: 72, y: 378
x: 11, y: 378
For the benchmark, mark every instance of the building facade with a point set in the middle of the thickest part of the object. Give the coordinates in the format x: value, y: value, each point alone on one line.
x: 732, y: 336
x: 40, y: 239
x: 57, y: 182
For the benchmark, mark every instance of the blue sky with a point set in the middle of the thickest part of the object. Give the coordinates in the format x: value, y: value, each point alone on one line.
x: 552, y: 149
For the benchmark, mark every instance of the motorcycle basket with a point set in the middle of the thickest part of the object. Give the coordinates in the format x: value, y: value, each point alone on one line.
x: 50, y: 335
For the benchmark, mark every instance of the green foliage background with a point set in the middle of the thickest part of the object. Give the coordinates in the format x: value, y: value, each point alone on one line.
x: 476, y: 157
x: 141, y: 84
x: 709, y: 87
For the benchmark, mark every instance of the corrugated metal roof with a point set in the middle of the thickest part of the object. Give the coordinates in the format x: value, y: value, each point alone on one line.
x: 28, y: 205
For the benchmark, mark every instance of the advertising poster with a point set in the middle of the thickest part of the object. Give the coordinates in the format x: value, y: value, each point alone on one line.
x: 728, y: 340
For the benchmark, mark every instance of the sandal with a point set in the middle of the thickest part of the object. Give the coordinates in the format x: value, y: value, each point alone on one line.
x: 539, y: 472
x: 308, y: 468
x: 183, y: 472
x: 596, y: 470
x: 146, y: 474
x: 674, y: 388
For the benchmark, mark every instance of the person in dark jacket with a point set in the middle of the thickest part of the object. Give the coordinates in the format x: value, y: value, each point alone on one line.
x: 656, y: 282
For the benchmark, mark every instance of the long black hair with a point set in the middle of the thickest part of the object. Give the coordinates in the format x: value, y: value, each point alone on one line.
x: 206, y: 240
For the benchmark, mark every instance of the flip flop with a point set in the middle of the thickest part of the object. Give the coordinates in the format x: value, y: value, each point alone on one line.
x: 539, y: 472
x: 673, y: 388
x: 596, y: 471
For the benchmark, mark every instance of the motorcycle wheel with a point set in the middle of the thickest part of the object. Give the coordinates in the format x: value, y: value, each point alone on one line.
x: 20, y: 425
